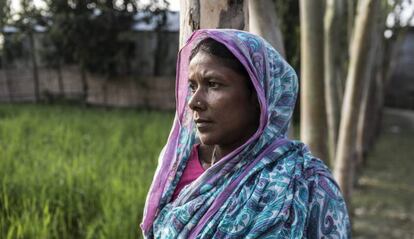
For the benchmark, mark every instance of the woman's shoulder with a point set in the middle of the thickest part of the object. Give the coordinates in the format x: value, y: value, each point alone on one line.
x: 297, y: 156
x: 314, y: 184
x: 297, y: 164
x: 304, y: 182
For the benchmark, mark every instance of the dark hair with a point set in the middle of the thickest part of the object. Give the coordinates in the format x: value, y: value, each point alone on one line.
x: 215, y: 48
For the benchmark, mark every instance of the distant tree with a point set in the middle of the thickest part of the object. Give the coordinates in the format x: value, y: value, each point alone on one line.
x: 357, y: 61
x: 381, y: 61
x: 4, y: 19
x: 52, y: 56
x: 344, y: 169
x: 335, y: 48
x: 313, y: 114
x: 96, y: 34
x: 288, y: 15
x: 69, y: 34
x: 160, y: 17
x: 27, y: 19
x: 4, y: 13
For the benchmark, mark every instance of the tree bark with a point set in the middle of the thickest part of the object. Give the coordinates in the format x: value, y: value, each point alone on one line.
x: 263, y: 21
x: 4, y: 75
x: 346, y: 151
x: 34, y: 67
x: 198, y: 14
x: 84, y: 82
x: 158, y: 53
x: 350, y: 17
x: 333, y: 52
x: 313, y: 115
x: 60, y: 79
x: 7, y: 79
x: 105, y: 92
x: 362, y: 127
x: 373, y: 95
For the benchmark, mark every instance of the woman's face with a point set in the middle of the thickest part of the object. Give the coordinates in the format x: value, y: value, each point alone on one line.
x: 225, y: 111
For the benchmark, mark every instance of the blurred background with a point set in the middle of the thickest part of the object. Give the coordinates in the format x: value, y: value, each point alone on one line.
x: 87, y: 100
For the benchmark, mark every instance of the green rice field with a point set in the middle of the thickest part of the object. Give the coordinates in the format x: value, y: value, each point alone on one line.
x: 74, y: 172
x: 69, y: 172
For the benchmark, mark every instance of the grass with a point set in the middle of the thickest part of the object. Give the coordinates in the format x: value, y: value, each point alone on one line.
x: 68, y: 172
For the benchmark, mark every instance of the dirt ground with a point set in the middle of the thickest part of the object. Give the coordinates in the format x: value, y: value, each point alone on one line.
x: 383, y: 201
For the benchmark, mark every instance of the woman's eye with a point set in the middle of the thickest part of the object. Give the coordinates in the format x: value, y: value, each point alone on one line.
x: 213, y: 84
x: 193, y: 87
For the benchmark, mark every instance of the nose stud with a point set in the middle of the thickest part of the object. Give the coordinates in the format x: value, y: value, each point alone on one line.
x: 198, y: 103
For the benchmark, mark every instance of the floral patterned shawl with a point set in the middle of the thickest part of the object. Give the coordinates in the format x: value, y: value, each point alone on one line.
x: 270, y: 187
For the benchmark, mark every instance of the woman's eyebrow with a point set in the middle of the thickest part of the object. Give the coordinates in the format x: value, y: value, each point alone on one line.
x: 203, y: 75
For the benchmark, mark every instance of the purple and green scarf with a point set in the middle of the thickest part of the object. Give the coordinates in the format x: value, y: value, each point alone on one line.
x: 270, y: 187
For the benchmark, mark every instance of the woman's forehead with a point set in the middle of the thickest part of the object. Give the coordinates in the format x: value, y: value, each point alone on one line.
x: 205, y: 63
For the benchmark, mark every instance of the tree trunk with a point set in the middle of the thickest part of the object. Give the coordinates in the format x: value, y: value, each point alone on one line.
x: 346, y: 151
x: 60, y: 79
x: 105, y: 93
x: 362, y: 127
x: 84, y: 82
x: 371, y: 104
x: 159, y: 53
x: 34, y: 67
x: 313, y: 116
x: 333, y: 52
x: 7, y: 79
x: 376, y: 101
x: 350, y: 17
x: 263, y: 21
x: 3, y: 75
x: 198, y: 14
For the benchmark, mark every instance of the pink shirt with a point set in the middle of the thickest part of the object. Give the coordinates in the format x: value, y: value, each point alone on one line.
x: 191, y: 172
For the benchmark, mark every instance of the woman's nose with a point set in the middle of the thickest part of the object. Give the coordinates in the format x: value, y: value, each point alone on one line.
x: 197, y: 102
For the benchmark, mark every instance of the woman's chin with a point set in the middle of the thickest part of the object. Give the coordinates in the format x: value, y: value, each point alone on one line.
x: 207, y: 139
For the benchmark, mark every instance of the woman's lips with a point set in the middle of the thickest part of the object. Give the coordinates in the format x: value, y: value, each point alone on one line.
x: 203, y: 124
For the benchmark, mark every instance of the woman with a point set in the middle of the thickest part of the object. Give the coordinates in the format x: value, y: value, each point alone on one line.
x: 228, y: 170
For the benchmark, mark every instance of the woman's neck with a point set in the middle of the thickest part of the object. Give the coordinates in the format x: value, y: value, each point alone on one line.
x: 211, y: 154
x: 224, y: 149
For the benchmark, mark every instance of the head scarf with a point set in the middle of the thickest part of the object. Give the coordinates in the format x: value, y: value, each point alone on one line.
x: 262, y: 187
